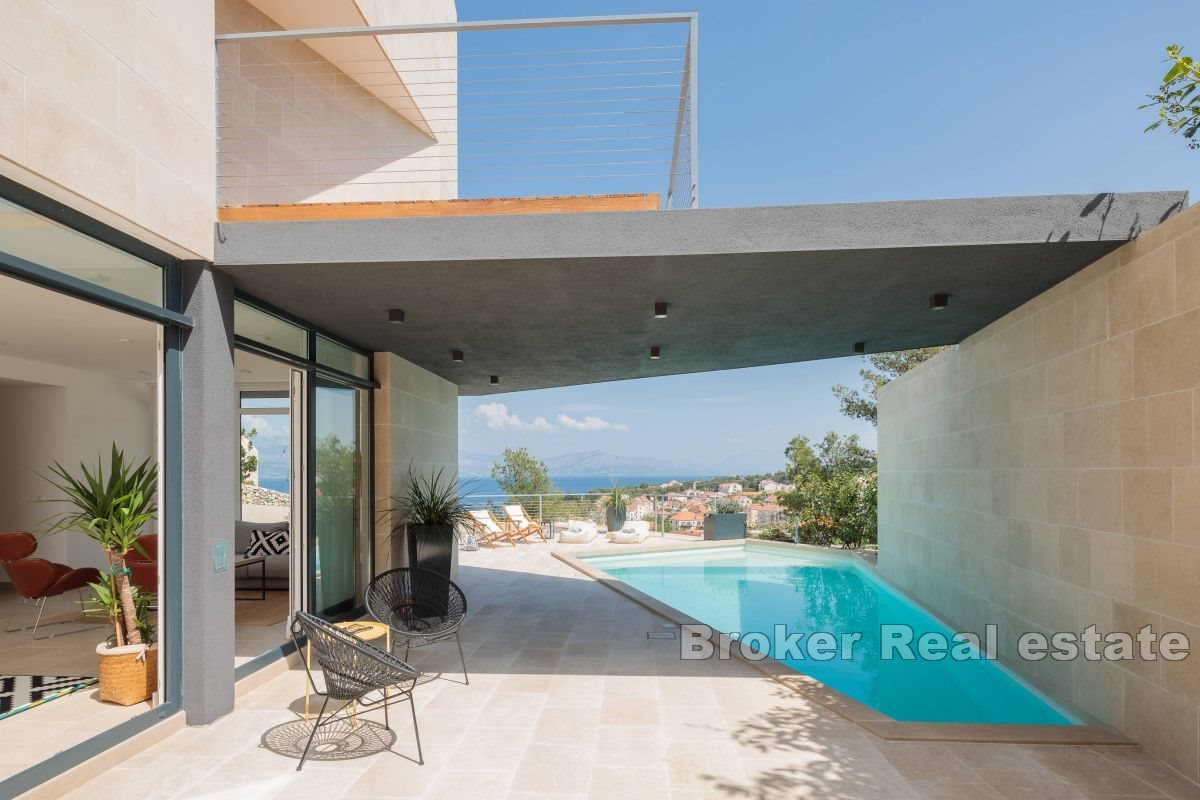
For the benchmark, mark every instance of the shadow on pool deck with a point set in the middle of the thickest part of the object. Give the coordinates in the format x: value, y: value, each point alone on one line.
x: 569, y: 699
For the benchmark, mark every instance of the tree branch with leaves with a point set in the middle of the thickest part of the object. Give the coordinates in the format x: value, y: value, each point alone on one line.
x: 1177, y: 100
x: 885, y: 368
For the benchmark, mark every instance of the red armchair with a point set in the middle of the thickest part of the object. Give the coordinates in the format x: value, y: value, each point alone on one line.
x: 36, y: 578
x: 143, y: 568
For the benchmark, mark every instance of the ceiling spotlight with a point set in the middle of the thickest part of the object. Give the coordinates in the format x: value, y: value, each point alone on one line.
x: 495, y: 380
x: 860, y: 347
x: 396, y: 315
x: 456, y: 356
x: 124, y: 340
x: 660, y: 310
x: 655, y: 352
x: 939, y: 301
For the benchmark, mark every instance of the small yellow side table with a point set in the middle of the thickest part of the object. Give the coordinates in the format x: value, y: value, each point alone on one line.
x: 366, y: 630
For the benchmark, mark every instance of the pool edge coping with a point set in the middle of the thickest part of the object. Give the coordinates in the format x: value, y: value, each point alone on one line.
x: 874, y: 722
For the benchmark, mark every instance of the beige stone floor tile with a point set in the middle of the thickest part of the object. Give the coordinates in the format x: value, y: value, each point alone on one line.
x: 630, y: 782
x: 510, y: 709
x: 928, y: 762
x: 575, y: 691
x: 491, y: 748
x: 569, y: 699
x: 555, y: 768
x: 620, y: 746
x: 1091, y: 773
x: 703, y: 764
x: 571, y: 725
x: 629, y: 711
x: 400, y: 779
x: 640, y: 687
x: 458, y: 784
x: 1163, y: 778
x: 934, y: 790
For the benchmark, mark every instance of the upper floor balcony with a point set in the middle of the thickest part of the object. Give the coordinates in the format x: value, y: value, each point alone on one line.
x: 455, y: 118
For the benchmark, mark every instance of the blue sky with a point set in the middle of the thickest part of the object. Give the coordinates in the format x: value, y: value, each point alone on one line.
x: 806, y: 102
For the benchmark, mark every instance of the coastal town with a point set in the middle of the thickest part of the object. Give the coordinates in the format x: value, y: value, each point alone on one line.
x: 681, y: 509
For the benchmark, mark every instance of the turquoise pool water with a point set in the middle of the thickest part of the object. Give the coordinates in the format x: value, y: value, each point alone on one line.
x: 744, y: 589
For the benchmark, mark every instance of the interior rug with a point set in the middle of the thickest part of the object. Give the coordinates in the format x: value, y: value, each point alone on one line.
x: 22, y: 692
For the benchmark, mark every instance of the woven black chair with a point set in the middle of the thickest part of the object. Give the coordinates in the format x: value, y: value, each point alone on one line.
x: 353, y: 670
x: 421, y: 607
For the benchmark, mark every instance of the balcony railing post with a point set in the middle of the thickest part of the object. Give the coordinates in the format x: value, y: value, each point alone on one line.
x: 693, y: 128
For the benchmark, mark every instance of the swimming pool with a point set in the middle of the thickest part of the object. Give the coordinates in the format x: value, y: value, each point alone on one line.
x: 753, y: 588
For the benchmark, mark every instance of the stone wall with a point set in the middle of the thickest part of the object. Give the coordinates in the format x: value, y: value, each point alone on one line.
x: 108, y: 107
x: 1045, y: 475
x: 416, y: 429
x: 332, y: 120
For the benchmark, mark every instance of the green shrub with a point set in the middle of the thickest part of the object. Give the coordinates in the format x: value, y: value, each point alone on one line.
x: 837, y: 509
x: 724, y: 507
x: 781, y: 532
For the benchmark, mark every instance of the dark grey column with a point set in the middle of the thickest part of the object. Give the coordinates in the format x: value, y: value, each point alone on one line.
x: 210, y: 494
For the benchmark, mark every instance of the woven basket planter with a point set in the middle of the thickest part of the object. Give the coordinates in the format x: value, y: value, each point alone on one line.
x: 128, y: 674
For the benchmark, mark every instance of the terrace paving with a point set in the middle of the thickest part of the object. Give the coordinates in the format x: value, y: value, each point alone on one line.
x: 569, y: 698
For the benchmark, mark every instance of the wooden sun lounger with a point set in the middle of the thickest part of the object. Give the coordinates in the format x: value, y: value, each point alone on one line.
x: 490, y: 529
x: 522, y: 524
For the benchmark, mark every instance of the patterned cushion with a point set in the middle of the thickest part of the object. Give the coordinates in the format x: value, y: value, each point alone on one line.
x: 269, y: 543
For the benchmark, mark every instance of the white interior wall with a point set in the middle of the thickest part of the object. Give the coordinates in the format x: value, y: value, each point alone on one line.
x: 72, y: 416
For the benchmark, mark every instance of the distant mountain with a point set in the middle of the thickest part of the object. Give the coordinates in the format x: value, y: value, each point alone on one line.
x: 596, y: 463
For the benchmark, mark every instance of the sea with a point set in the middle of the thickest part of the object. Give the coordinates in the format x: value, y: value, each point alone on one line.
x: 575, y: 484
x: 570, y: 484
x: 275, y: 484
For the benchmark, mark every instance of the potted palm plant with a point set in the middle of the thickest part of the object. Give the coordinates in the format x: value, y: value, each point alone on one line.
x: 724, y: 520
x: 615, y: 504
x: 112, y: 509
x: 431, y: 513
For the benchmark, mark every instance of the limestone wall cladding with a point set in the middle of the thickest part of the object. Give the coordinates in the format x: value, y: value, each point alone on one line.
x: 1045, y: 475
x: 416, y: 429
x: 298, y: 128
x: 109, y: 108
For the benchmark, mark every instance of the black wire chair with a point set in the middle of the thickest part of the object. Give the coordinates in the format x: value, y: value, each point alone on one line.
x: 353, y: 670
x: 421, y: 607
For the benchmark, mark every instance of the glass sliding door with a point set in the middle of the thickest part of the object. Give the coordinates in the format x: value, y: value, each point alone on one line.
x: 331, y: 491
x: 342, y: 529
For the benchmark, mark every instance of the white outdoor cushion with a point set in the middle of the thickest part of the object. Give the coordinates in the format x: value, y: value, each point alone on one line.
x: 626, y: 537
x: 578, y: 532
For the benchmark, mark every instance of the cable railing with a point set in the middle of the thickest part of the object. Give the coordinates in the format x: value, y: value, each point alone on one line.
x: 557, y: 510
x: 664, y: 513
x: 586, y: 108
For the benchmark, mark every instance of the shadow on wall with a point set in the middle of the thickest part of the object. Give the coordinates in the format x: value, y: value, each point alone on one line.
x: 1103, y: 203
x: 294, y: 128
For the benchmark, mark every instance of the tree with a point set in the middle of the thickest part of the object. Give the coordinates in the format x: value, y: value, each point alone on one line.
x: 801, y: 459
x: 885, y: 368
x: 518, y: 472
x: 843, y: 454
x: 249, y: 460
x: 1177, y: 99
x: 835, y: 509
x: 834, y: 454
x: 835, y: 496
